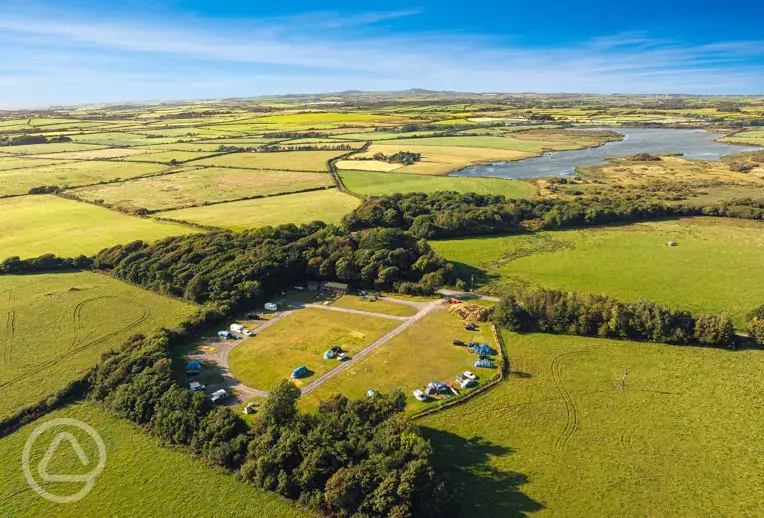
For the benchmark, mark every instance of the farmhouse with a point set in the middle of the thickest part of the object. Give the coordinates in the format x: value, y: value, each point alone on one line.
x: 334, y: 287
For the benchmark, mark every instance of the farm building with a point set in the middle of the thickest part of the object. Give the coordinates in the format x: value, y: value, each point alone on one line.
x: 334, y: 287
x: 193, y: 367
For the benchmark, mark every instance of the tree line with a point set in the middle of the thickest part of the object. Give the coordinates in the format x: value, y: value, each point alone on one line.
x: 25, y: 140
x: 238, y: 268
x: 585, y: 314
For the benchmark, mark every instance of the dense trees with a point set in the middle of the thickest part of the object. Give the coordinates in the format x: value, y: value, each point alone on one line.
x: 401, y: 157
x: 238, y: 268
x: 585, y: 314
x: 443, y: 214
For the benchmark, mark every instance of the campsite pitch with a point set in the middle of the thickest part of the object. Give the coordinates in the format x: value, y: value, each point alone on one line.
x: 421, y: 354
x: 300, y: 339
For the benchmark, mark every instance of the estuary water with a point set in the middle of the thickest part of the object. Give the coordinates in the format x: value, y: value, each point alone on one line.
x: 693, y: 143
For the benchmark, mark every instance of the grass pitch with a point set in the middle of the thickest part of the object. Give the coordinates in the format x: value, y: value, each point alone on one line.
x: 301, y: 339
x: 422, y: 353
x: 54, y: 326
x: 36, y: 225
x: 715, y: 266
x: 327, y: 205
x: 562, y: 437
x: 139, y: 477
x: 380, y: 184
x: 374, y: 306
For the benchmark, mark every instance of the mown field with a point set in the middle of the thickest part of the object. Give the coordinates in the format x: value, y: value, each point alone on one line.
x: 197, y: 186
x: 715, y: 266
x: 327, y: 205
x: 285, y: 160
x: 34, y: 225
x: 374, y: 306
x: 370, y: 183
x: 301, y: 339
x: 71, y: 174
x: 55, y: 326
x: 420, y: 354
x: 562, y: 438
x: 140, y: 478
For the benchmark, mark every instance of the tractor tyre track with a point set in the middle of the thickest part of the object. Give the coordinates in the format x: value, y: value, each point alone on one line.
x: 571, y: 424
x: 146, y: 313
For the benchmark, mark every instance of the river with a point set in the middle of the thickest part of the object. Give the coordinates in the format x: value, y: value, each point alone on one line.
x: 693, y: 143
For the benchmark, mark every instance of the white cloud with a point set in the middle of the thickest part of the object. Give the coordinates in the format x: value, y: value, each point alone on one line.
x: 323, y: 51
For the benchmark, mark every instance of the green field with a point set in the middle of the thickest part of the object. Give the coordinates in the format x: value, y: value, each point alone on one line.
x: 683, y: 438
x: 12, y: 162
x: 715, y: 266
x: 57, y: 325
x: 374, y: 306
x: 36, y: 149
x: 327, y: 205
x: 197, y: 186
x: 35, y: 225
x: 420, y: 354
x: 72, y: 174
x: 167, y: 157
x: 140, y: 478
x: 301, y: 339
x: 285, y: 160
x: 370, y: 183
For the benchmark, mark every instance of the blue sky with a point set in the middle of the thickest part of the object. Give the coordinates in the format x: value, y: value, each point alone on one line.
x: 77, y: 51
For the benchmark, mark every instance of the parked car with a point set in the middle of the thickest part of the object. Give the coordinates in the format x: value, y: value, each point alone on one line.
x: 420, y: 395
x: 469, y: 375
x: 336, y: 349
x: 218, y: 395
x: 471, y: 327
x: 247, y: 332
x: 341, y: 357
x: 196, y: 386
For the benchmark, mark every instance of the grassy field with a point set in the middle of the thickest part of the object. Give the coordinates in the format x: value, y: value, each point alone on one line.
x: 301, y: 339
x: 35, y: 225
x: 375, y: 306
x: 103, y: 153
x: 72, y: 174
x: 683, y: 438
x: 754, y: 137
x: 140, y: 478
x: 57, y: 325
x: 36, y: 149
x: 441, y: 159
x: 12, y: 162
x: 327, y: 205
x: 167, y: 157
x: 379, y: 184
x: 197, y: 186
x: 420, y: 354
x: 715, y: 266
x: 285, y: 160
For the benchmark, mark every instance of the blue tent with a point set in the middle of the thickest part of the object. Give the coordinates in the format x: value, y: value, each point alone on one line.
x: 300, y: 372
x: 224, y: 334
x: 488, y: 364
x: 193, y: 366
x: 328, y: 355
x: 485, y: 349
x: 371, y: 393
